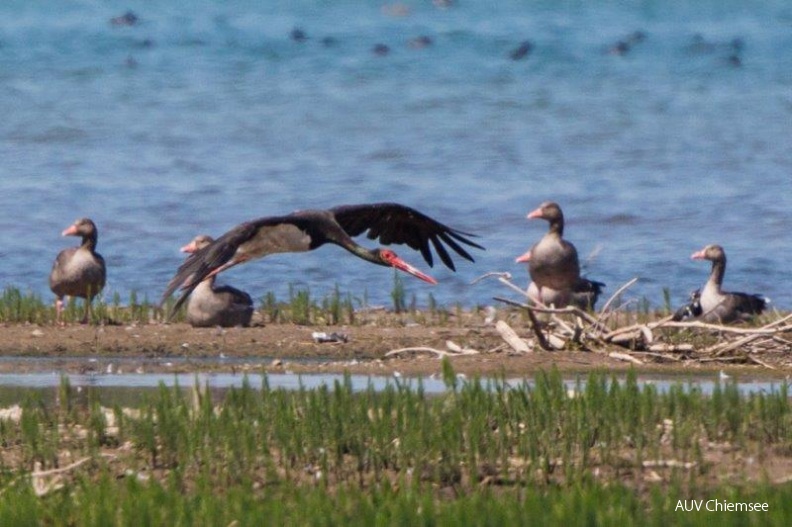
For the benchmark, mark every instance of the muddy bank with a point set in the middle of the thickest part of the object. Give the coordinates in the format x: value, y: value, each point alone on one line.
x: 288, y: 347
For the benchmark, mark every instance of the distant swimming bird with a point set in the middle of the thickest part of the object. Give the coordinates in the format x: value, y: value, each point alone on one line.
x: 310, y: 229
x: 380, y: 50
x: 210, y: 305
x: 521, y: 51
x: 420, y: 42
x: 298, y: 35
x: 733, y: 48
x: 78, y: 271
x: 713, y: 304
x: 735, y: 56
x: 619, y: 48
x: 127, y: 19
x: 622, y: 47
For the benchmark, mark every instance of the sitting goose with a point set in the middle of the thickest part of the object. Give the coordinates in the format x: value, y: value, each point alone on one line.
x: 211, y: 305
x: 554, y: 267
x: 712, y: 304
x: 78, y: 271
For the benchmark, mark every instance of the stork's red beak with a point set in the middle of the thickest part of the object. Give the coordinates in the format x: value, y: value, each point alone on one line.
x: 71, y: 231
x: 525, y: 258
x: 698, y: 255
x: 390, y: 258
x: 534, y: 214
x: 401, y: 265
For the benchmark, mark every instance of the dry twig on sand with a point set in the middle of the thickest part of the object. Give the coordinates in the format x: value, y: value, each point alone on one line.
x: 454, y: 350
x: 597, y: 333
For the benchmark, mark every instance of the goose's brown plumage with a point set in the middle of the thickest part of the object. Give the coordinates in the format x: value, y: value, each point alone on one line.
x: 554, y: 267
x: 210, y: 305
x: 553, y: 261
x: 78, y: 271
x: 712, y: 303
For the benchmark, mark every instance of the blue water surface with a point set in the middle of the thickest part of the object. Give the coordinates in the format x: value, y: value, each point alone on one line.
x: 207, y: 113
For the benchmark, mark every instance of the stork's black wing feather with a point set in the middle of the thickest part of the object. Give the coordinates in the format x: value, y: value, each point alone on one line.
x: 198, y: 266
x: 444, y: 256
x: 449, y: 239
x: 393, y: 223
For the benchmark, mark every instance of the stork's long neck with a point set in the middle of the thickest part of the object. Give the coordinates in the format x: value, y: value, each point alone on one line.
x: 370, y: 255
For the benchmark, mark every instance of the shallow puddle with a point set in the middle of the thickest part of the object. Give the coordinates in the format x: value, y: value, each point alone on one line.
x: 104, y: 379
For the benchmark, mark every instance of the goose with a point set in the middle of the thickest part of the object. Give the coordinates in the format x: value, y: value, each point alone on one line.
x: 553, y: 261
x: 712, y: 303
x: 211, y: 305
x: 554, y: 267
x: 78, y: 271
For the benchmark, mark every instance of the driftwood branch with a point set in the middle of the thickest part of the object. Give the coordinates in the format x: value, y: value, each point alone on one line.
x: 513, y: 340
x: 416, y: 349
x: 754, y: 359
x: 616, y: 295
x: 650, y: 339
x: 625, y: 357
x: 454, y: 351
x: 716, y: 327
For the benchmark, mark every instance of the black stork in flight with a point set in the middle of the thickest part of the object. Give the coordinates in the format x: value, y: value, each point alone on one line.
x: 307, y: 230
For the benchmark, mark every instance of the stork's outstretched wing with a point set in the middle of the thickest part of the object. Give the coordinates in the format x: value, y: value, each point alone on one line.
x: 393, y: 223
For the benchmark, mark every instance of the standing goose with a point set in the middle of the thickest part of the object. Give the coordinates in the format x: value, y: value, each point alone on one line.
x: 307, y: 230
x: 713, y: 304
x: 553, y: 261
x: 78, y: 271
x: 211, y: 305
x: 554, y: 267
